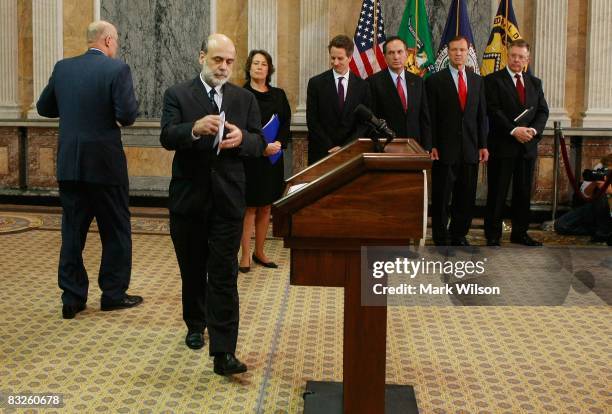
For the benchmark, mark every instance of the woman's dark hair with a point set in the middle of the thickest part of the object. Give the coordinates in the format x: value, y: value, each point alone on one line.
x: 249, y: 62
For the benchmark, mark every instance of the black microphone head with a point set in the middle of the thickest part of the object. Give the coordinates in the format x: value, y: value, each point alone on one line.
x: 363, y: 112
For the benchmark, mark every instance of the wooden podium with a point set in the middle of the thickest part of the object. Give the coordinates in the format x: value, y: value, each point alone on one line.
x: 355, y: 198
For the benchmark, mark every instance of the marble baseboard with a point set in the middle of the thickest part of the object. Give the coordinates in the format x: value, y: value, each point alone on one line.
x: 9, y: 157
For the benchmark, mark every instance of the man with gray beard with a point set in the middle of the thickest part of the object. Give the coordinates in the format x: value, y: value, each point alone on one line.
x: 207, y: 195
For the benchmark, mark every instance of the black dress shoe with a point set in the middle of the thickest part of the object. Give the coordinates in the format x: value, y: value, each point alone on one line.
x: 270, y: 265
x: 70, y: 311
x: 525, y: 240
x: 128, y: 301
x: 194, y: 340
x: 244, y: 269
x: 228, y: 364
x: 493, y: 242
x: 461, y: 241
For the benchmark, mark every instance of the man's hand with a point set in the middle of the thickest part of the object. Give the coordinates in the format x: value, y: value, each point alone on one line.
x: 209, y: 125
x: 233, y: 138
x: 272, y: 148
x: 334, y: 149
x: 523, y: 134
x: 434, y: 154
x: 483, y: 155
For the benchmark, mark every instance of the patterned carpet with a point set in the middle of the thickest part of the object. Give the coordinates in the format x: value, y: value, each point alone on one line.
x: 460, y: 359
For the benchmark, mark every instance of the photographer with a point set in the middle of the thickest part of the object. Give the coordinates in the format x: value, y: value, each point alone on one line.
x: 592, y: 218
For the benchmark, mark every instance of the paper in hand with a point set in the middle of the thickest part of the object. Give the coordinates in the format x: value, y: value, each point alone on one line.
x: 219, y: 137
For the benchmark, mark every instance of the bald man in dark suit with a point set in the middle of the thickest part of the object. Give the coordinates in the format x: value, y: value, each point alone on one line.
x: 94, y: 97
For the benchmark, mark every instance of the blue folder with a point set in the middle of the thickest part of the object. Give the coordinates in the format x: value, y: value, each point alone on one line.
x: 270, y: 131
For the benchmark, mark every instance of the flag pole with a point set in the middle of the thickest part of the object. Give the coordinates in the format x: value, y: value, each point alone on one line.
x: 457, y: 24
x: 375, y: 42
x: 416, y: 28
x: 506, y: 32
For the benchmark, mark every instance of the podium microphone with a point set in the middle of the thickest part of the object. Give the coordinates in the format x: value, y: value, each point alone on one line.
x: 364, y: 114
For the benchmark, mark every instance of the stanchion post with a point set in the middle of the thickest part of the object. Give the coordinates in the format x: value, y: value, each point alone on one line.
x: 556, y: 148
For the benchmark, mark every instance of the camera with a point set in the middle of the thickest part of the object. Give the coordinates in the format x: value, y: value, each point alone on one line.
x: 599, y: 174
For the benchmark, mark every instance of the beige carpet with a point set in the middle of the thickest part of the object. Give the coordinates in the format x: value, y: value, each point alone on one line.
x: 460, y: 359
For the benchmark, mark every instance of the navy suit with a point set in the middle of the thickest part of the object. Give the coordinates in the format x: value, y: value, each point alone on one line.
x: 510, y: 160
x: 90, y: 94
x: 207, y: 204
x: 458, y: 135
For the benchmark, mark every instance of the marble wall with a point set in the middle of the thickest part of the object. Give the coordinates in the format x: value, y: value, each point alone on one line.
x: 160, y: 40
x: 437, y: 10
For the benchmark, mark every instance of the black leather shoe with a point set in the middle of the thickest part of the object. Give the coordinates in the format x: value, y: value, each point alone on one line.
x: 70, y: 311
x: 525, y: 240
x: 194, y: 340
x: 244, y: 269
x: 270, y: 265
x: 228, y: 364
x: 461, y: 241
x: 493, y: 242
x: 128, y: 301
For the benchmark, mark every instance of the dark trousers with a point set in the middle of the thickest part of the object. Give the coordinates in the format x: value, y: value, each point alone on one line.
x: 456, y: 182
x: 81, y: 202
x: 591, y: 219
x: 500, y: 172
x: 206, y: 249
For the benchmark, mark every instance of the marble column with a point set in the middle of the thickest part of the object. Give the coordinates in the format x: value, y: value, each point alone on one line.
x: 96, y: 10
x: 262, y: 28
x: 9, y: 60
x: 47, y: 44
x: 598, y: 88
x: 314, y: 38
x: 550, y: 50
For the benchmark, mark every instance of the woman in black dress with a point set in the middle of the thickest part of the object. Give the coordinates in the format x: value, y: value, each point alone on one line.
x: 264, y: 179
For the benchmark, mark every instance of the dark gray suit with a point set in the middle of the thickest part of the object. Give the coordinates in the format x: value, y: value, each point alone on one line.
x: 207, y: 204
x: 90, y: 94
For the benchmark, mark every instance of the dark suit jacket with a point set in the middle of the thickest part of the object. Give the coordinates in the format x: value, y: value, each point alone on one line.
x: 90, y: 94
x: 386, y: 104
x: 201, y: 179
x: 457, y: 134
x: 327, y: 127
x: 503, y: 106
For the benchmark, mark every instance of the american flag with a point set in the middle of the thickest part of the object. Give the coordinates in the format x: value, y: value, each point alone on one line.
x: 368, y: 57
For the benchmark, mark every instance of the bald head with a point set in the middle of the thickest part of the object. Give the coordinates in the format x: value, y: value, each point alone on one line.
x: 217, y: 57
x: 103, y: 35
x: 217, y: 40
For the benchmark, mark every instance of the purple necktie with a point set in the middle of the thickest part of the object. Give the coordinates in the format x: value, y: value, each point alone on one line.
x: 340, y: 93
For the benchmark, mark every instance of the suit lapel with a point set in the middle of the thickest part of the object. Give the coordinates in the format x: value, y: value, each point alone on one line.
x: 530, y: 95
x: 452, y: 89
x: 471, y: 88
x: 350, y: 93
x: 393, y: 88
x: 199, y: 94
x: 330, y: 86
x: 509, y: 82
x: 411, y: 97
x: 228, y: 94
